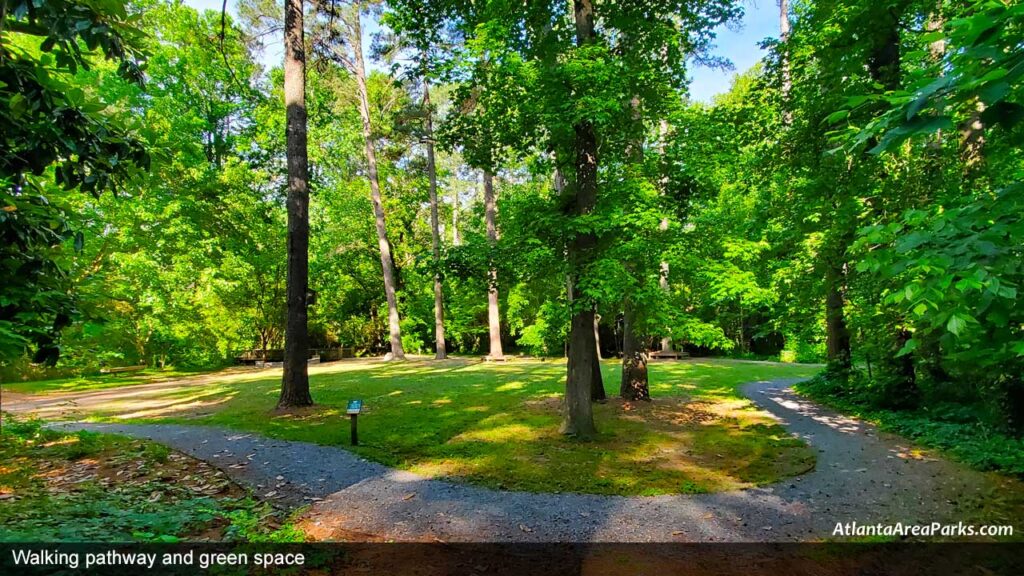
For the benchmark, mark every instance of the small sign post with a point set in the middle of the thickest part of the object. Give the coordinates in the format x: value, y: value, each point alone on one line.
x: 354, y: 407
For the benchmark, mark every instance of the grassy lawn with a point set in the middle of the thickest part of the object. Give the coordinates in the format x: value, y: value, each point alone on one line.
x: 95, y: 381
x: 497, y: 424
x: 86, y: 487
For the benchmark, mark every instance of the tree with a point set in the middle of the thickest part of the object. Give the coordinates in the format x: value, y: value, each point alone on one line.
x: 55, y: 132
x: 949, y: 264
x: 579, y: 416
x: 349, y: 17
x: 295, y: 382
x: 787, y: 80
x: 493, y: 313
x: 435, y: 233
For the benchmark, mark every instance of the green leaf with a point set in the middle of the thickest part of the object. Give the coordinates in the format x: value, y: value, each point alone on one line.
x: 907, y: 348
x: 957, y: 322
x: 837, y: 116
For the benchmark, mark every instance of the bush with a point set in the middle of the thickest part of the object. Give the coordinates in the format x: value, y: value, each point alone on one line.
x: 963, y: 430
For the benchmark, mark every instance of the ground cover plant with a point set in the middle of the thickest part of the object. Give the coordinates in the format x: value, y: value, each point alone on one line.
x: 85, y: 487
x: 958, y: 429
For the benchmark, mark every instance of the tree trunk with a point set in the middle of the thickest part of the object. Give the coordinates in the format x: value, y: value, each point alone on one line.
x: 386, y: 262
x: 884, y: 68
x: 666, y: 341
x: 456, y: 240
x: 634, y: 384
x: 634, y: 358
x: 295, y: 382
x: 579, y: 415
x: 837, y: 336
x: 597, y: 393
x: 787, y: 80
x: 434, y: 230
x: 972, y: 140
x: 493, y: 313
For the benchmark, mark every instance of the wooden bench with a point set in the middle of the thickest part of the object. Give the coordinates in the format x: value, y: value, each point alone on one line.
x: 119, y: 369
x: 669, y: 354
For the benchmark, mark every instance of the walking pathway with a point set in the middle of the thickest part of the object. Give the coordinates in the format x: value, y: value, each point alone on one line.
x: 861, y: 475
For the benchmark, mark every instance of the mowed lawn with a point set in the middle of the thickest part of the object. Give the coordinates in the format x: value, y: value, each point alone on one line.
x: 496, y: 424
x: 95, y: 381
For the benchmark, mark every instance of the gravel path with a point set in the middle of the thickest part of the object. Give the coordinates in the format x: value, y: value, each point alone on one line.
x: 861, y: 475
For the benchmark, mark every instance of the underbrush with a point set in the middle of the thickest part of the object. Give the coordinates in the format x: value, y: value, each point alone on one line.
x: 58, y: 486
x: 959, y: 429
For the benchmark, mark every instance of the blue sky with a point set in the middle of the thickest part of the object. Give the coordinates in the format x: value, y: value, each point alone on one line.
x: 760, y: 20
x: 739, y: 45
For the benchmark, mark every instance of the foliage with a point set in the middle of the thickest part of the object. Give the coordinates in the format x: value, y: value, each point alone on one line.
x: 853, y: 198
x: 57, y: 486
x: 948, y: 426
x: 58, y: 134
x: 981, y: 68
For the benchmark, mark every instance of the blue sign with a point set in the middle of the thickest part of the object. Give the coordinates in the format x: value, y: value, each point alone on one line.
x: 354, y: 406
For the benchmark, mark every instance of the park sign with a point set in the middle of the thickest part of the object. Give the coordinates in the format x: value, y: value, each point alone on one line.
x: 354, y: 406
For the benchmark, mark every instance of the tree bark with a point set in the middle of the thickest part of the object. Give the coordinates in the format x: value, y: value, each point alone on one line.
x: 666, y: 341
x: 456, y: 240
x: 884, y: 67
x: 579, y: 416
x: 837, y: 335
x: 936, y: 51
x: 597, y: 393
x: 787, y: 80
x: 386, y: 262
x: 972, y: 140
x: 493, y: 312
x: 634, y: 384
x: 441, y: 352
x: 295, y: 381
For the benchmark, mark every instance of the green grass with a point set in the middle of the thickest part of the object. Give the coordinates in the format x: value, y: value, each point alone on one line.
x: 496, y: 424
x: 86, y: 487
x: 95, y: 381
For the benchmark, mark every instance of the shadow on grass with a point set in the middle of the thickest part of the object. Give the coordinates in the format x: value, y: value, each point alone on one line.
x: 496, y: 424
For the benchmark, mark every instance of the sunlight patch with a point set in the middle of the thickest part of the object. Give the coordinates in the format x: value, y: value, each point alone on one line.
x: 507, y: 433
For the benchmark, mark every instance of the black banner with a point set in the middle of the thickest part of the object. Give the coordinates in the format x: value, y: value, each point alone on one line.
x: 514, y: 559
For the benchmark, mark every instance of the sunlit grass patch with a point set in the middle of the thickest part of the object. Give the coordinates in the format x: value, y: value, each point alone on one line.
x: 497, y: 424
